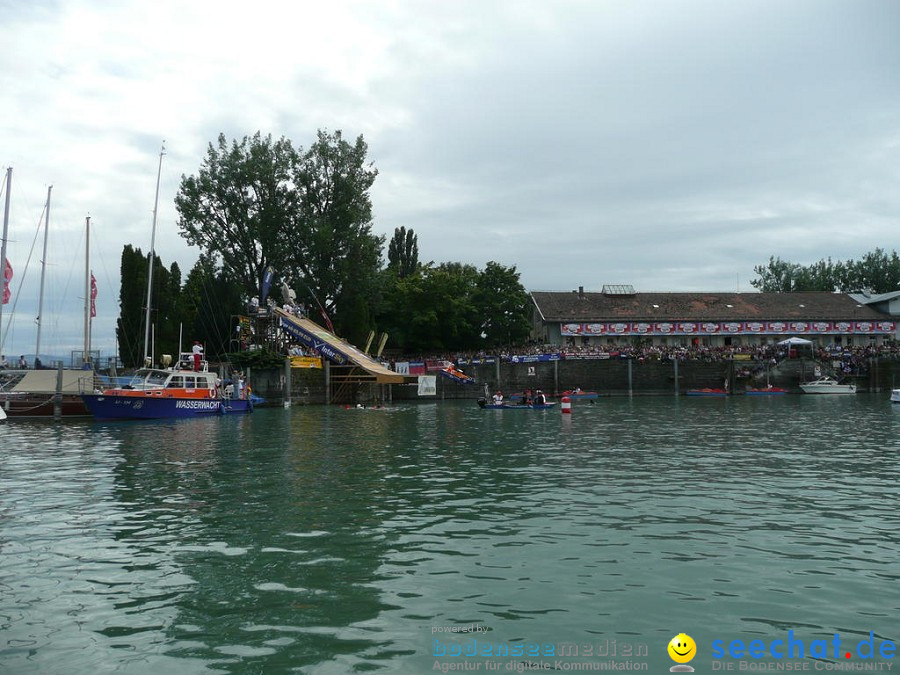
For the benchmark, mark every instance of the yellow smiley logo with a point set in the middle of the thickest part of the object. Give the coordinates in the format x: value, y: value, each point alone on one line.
x: 682, y: 648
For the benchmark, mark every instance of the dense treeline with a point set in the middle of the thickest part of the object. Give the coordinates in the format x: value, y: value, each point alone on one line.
x: 875, y: 272
x: 198, y: 309
x: 260, y: 203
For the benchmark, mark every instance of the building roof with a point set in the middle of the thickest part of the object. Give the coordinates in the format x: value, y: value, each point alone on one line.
x: 588, y: 307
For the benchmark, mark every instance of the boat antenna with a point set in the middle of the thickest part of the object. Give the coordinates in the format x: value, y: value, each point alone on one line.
x: 40, y: 314
x: 150, y: 259
x: 3, y: 247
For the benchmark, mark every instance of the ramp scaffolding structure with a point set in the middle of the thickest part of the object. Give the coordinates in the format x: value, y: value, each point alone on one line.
x: 351, y: 366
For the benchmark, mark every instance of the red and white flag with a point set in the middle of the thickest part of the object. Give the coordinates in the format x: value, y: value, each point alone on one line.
x: 93, y: 295
x: 7, y: 276
x: 327, y: 320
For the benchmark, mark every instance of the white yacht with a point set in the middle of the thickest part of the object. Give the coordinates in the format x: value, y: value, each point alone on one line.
x: 827, y: 385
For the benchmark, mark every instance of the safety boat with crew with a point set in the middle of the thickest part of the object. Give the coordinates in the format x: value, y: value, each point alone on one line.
x: 155, y: 393
x: 537, y: 401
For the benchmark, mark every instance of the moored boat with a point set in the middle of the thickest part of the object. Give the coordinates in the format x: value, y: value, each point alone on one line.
x: 706, y: 392
x: 766, y: 391
x: 31, y: 394
x: 156, y: 393
x: 827, y: 385
x: 895, y: 395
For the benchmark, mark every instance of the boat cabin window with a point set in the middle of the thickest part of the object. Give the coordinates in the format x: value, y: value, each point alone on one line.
x: 190, y: 382
x: 176, y: 382
x: 156, y: 377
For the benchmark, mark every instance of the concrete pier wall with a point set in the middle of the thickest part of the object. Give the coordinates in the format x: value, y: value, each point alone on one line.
x: 613, y: 377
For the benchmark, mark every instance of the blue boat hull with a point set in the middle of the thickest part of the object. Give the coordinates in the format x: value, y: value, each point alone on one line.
x: 112, y: 407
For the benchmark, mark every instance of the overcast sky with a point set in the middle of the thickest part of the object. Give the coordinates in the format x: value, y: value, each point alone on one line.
x: 668, y: 145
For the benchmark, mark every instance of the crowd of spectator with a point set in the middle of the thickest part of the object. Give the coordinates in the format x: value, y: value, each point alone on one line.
x: 848, y: 358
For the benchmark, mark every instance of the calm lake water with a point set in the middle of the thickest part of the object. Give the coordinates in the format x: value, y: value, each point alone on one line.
x: 324, y: 540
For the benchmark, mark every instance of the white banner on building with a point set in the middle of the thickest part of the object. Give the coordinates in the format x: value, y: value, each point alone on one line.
x: 427, y: 385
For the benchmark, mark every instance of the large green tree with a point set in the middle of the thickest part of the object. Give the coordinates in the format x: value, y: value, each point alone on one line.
x: 503, y: 306
x: 240, y: 206
x: 308, y: 214
x: 333, y: 254
x: 452, y: 306
x: 877, y: 272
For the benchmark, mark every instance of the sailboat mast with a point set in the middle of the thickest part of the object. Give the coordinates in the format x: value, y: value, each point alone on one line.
x: 87, y: 291
x: 3, y: 247
x: 40, y: 316
x: 151, y: 258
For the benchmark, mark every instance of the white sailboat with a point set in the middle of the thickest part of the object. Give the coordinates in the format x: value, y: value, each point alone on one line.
x: 39, y: 392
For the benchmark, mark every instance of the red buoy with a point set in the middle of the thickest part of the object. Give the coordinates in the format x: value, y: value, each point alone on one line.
x: 565, y: 405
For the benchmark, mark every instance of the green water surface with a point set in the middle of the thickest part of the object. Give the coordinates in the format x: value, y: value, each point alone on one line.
x: 325, y: 540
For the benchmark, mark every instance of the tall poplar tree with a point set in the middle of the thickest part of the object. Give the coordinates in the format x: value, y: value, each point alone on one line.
x: 403, y: 252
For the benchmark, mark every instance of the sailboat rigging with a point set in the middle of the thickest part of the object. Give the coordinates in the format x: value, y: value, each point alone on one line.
x: 40, y: 314
x: 3, y: 261
x: 186, y: 388
x: 148, y: 353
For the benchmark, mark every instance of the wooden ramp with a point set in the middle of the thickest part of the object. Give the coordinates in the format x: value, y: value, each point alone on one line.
x: 333, y: 348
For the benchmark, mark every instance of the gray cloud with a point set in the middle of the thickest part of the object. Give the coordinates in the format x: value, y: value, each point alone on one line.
x: 669, y: 145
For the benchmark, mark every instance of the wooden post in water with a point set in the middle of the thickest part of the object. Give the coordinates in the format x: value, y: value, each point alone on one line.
x: 675, y: 368
x: 327, y: 380
x: 556, y: 377
x: 287, y: 382
x: 630, y: 388
x: 57, y: 397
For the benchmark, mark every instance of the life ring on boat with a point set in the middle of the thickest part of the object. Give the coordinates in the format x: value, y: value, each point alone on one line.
x: 212, y: 392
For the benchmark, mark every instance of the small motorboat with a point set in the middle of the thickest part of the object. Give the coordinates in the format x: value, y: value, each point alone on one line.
x: 827, y: 385
x: 485, y: 405
x: 706, y: 392
x: 895, y: 395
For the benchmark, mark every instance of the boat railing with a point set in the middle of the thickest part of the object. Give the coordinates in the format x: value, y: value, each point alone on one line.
x: 186, y: 362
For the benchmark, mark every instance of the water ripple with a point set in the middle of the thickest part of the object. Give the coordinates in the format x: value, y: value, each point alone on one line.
x: 318, y: 541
